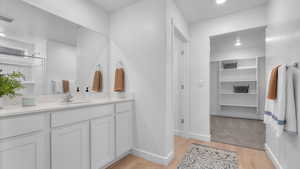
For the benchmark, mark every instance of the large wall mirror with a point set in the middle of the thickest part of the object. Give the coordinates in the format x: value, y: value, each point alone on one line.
x: 48, y: 49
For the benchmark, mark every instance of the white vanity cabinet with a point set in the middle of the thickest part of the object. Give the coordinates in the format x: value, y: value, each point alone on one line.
x: 70, y: 147
x: 123, y: 128
x: 23, y: 144
x: 23, y: 152
x: 102, y: 141
x: 90, y: 137
x: 83, y: 137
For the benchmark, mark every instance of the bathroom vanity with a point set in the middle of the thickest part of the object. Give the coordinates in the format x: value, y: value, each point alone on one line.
x: 88, y: 135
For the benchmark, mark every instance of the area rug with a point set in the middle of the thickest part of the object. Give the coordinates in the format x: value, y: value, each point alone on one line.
x: 205, y: 157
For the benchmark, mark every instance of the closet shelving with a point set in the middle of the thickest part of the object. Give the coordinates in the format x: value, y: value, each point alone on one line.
x: 242, y: 105
x: 23, y: 64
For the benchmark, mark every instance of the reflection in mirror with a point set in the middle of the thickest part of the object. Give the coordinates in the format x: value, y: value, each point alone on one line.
x: 48, y: 50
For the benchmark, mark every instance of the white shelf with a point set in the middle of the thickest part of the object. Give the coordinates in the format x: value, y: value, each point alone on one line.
x: 254, y: 116
x: 232, y: 93
x: 27, y: 82
x: 241, y: 68
x: 238, y: 105
x: 232, y: 81
x: 217, y: 59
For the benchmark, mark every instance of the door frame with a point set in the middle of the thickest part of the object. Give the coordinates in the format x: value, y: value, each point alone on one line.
x: 176, y: 31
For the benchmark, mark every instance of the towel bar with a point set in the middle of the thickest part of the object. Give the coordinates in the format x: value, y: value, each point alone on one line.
x: 296, y: 65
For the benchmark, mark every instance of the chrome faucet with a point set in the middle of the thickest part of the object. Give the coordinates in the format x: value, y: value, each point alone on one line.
x: 67, y: 97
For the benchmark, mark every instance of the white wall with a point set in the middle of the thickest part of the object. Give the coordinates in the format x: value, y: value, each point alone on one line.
x: 92, y: 49
x: 200, y: 52
x: 82, y: 12
x: 138, y: 38
x: 61, y: 62
x: 283, y: 39
x: 174, y: 13
x: 141, y: 39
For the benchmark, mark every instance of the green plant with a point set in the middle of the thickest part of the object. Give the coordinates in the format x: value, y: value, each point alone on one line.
x: 10, y: 83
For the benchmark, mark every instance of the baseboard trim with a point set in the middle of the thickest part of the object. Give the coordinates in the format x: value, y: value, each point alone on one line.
x: 117, y: 159
x: 199, y: 137
x: 170, y: 157
x: 272, y: 157
x: 153, y: 157
x: 179, y: 133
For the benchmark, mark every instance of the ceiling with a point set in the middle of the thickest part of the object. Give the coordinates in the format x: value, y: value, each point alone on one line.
x: 111, y: 5
x: 251, y: 38
x: 195, y: 10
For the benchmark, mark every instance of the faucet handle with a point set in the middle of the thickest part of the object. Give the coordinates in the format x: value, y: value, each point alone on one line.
x: 67, y: 97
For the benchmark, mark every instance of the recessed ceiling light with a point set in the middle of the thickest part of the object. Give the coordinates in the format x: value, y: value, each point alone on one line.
x: 2, y: 34
x: 220, y: 2
x: 238, y: 42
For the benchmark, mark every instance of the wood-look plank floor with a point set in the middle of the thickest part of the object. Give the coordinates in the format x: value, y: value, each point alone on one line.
x: 248, y: 158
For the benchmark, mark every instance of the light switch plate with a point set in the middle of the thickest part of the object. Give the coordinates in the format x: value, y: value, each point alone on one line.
x: 200, y: 83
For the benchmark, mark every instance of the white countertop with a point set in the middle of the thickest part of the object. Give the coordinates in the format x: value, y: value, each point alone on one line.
x: 56, y: 106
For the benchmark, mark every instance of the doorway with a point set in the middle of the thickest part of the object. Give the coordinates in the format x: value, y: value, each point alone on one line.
x: 237, y: 91
x: 180, y: 83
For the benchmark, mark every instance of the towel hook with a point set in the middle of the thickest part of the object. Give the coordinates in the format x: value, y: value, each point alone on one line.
x: 98, y: 66
x: 120, y: 64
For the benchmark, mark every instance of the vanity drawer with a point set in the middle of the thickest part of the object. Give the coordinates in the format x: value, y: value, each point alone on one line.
x: 15, y: 126
x: 124, y: 107
x: 70, y: 116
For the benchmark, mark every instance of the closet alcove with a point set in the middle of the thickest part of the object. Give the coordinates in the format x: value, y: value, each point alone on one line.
x: 237, y: 75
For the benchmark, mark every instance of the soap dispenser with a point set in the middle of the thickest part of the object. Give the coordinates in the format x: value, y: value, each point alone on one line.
x: 87, y: 92
x: 78, y: 94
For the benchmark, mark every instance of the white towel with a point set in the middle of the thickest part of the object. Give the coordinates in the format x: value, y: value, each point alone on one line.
x: 280, y: 114
x: 291, y: 113
x: 73, y: 86
x: 269, y: 107
x: 275, y: 109
x: 57, y: 87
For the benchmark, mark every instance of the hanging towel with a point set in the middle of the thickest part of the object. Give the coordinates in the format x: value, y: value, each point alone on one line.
x: 272, y: 90
x: 291, y: 112
x: 66, y: 86
x: 275, y: 110
x: 119, y: 80
x: 56, y: 86
x: 73, y: 86
x: 97, y: 82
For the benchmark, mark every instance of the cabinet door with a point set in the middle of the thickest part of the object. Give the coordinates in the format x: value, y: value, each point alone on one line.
x: 102, y: 141
x: 23, y: 153
x: 124, y: 132
x: 70, y: 147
